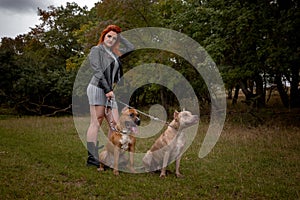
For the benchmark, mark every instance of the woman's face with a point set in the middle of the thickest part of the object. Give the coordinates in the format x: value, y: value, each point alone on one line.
x: 110, y: 39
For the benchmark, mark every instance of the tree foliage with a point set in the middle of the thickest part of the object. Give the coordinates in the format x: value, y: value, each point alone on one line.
x: 253, y: 43
x: 34, y: 64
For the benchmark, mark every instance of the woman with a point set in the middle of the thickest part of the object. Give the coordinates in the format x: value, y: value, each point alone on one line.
x: 104, y: 60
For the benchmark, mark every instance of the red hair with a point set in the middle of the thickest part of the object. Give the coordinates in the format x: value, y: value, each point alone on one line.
x: 116, y: 29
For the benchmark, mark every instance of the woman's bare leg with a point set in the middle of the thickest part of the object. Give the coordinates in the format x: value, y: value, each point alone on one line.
x: 97, y: 116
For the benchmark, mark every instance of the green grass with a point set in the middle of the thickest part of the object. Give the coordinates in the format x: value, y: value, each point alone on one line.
x: 44, y: 158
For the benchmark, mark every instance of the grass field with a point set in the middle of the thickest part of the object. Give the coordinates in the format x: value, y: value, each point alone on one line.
x: 44, y: 158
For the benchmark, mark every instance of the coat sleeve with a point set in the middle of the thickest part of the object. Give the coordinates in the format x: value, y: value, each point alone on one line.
x: 127, y: 46
x: 98, y: 65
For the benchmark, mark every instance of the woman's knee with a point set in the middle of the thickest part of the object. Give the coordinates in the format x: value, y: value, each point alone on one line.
x: 94, y: 124
x: 100, y: 118
x: 97, y: 114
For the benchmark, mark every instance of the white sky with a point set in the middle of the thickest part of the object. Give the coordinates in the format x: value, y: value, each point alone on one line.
x: 17, y: 16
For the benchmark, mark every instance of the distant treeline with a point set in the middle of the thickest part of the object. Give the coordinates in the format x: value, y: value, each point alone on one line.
x: 254, y: 43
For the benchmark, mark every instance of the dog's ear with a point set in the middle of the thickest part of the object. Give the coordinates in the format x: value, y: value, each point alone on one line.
x: 175, y: 115
x: 124, y: 109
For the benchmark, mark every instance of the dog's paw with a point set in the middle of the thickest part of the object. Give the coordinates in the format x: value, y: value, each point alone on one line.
x: 132, y: 170
x: 162, y: 176
x: 100, y: 169
x: 116, y: 172
x: 179, y: 175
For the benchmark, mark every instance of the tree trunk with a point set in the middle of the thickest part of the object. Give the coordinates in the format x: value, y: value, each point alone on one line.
x: 247, y: 93
x: 283, y: 95
x: 295, y: 93
x: 236, y: 94
x: 229, y: 93
x: 260, y: 93
x: 163, y: 98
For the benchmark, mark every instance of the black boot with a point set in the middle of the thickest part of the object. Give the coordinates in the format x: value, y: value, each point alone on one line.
x: 93, y: 155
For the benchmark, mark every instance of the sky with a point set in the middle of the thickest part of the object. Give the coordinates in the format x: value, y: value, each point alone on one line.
x: 17, y: 16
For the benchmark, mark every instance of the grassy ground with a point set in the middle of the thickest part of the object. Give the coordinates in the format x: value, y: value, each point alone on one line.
x: 43, y: 158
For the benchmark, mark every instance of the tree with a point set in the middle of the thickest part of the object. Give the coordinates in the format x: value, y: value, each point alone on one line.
x: 39, y: 82
x: 249, y: 40
x: 252, y: 42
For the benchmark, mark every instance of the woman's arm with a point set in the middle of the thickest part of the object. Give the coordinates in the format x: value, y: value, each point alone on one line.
x: 128, y: 46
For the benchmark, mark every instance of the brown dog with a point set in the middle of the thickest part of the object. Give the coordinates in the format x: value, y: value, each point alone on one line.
x: 170, y: 144
x: 122, y: 139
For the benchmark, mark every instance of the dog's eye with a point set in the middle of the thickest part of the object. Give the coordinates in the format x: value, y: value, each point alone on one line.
x: 131, y: 115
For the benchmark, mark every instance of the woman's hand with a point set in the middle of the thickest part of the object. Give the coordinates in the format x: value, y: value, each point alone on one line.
x: 110, y: 95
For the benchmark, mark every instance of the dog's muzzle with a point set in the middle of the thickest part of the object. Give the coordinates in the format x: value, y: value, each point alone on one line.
x: 132, y: 125
x: 135, y: 118
x: 137, y: 121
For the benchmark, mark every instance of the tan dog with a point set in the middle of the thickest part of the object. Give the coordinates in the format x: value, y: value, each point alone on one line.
x: 170, y: 144
x: 122, y: 139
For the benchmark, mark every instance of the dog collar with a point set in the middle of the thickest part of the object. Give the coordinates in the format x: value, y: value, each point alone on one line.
x: 175, y: 128
x: 124, y: 132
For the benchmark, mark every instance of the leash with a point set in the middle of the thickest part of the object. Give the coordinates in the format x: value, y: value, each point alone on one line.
x: 109, y: 103
x: 125, y: 140
x: 147, y: 115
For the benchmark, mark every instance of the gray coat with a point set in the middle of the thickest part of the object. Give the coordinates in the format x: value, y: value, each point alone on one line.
x: 103, y: 65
